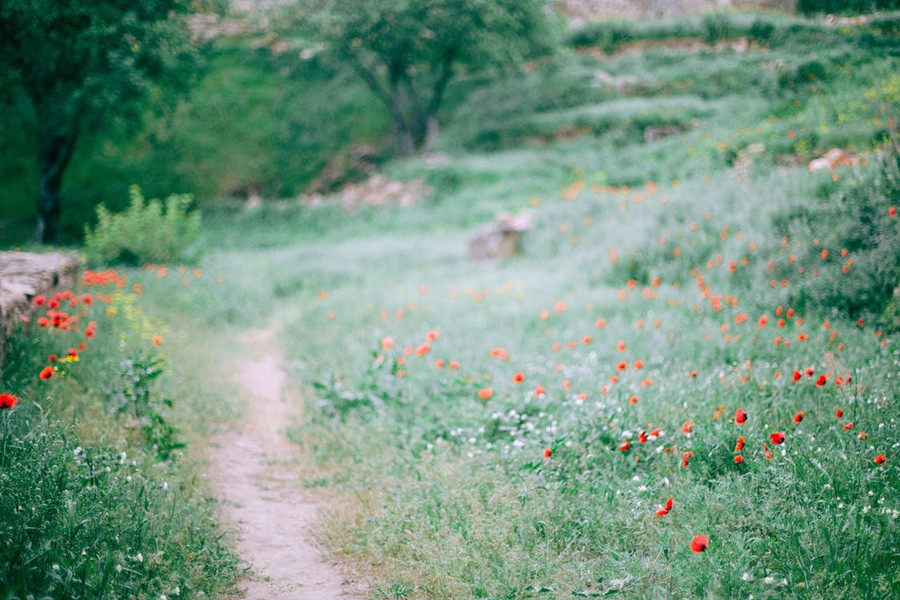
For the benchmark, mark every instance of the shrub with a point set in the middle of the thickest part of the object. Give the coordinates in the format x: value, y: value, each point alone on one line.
x: 809, y: 7
x: 147, y: 232
x: 855, y: 267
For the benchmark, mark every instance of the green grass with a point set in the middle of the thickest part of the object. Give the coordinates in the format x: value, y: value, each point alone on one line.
x: 441, y: 494
x: 438, y: 493
x: 99, y: 496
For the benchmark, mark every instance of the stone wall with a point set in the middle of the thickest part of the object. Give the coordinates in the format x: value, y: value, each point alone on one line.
x: 23, y: 276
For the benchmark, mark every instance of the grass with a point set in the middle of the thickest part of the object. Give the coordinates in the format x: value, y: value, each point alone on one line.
x: 442, y: 494
x: 624, y: 306
x: 98, y: 494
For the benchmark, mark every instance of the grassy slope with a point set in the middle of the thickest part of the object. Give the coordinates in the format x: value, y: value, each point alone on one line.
x: 447, y: 495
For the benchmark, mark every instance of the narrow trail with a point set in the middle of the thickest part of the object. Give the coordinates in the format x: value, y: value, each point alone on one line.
x: 252, y: 474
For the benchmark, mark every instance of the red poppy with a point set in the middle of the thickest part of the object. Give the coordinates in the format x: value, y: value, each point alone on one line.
x: 688, y: 427
x: 665, y: 510
x: 71, y: 353
x: 838, y: 414
x: 798, y: 417
x: 878, y: 459
x: 738, y: 459
x: 622, y: 366
x: 625, y: 445
x: 454, y: 365
x: 540, y: 391
x: 43, y: 322
x: 740, y: 444
x: 699, y: 544
x: 620, y: 346
x: 40, y: 300
x: 46, y: 373
x: 423, y: 349
x: 638, y: 364
x: 439, y: 363
x: 848, y: 426
x: 157, y: 340
x: 387, y: 343
x: 431, y: 335
x: 642, y: 437
x: 519, y: 377
x: 547, y: 452
x: 777, y: 438
x: 600, y: 324
x: 684, y: 458
x: 8, y: 400
x: 740, y: 417
x: 821, y: 381
x: 655, y: 433
x: 797, y: 375
x: 486, y: 393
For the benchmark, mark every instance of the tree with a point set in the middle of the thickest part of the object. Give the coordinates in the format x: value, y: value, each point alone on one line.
x: 85, y: 63
x: 408, y: 51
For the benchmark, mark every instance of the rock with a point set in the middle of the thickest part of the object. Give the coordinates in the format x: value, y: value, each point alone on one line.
x: 23, y: 276
x: 832, y: 159
x: 499, y: 239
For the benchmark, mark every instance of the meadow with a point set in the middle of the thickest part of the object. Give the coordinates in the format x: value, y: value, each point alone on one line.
x: 684, y: 386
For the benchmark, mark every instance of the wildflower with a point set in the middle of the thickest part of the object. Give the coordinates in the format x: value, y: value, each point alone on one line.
x: 486, y: 393
x: 638, y: 364
x: 642, y: 438
x: 431, y: 335
x: 738, y: 459
x: 838, y: 414
x: 423, y: 349
x: 740, y: 444
x: 740, y: 417
x: 586, y: 340
x: 798, y: 417
x: 539, y: 391
x: 518, y: 377
x: 699, y: 544
x: 848, y: 426
x: 40, y: 300
x: 665, y: 510
x: 46, y: 373
x: 777, y: 438
x: 439, y: 363
x: 684, y: 458
x: 387, y: 343
x: 500, y: 353
x: 547, y: 452
x: 8, y: 400
x: 560, y: 306
x: 797, y: 375
x: 821, y: 381
x: 688, y: 427
x: 620, y: 346
x: 692, y: 373
x: 878, y: 459
x: 454, y: 365
x: 600, y: 324
x: 633, y: 399
x: 625, y: 445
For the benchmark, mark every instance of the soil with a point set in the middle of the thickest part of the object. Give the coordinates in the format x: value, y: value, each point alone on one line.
x: 254, y: 470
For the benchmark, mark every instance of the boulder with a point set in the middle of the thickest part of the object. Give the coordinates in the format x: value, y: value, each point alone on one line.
x: 500, y: 239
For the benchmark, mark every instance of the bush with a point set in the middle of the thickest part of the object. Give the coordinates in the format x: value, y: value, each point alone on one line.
x: 854, y: 269
x: 809, y: 7
x: 145, y: 232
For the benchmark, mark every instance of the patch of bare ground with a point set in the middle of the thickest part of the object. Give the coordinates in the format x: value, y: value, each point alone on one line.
x: 254, y: 470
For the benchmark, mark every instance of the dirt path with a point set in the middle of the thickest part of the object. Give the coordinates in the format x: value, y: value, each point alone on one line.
x: 252, y: 472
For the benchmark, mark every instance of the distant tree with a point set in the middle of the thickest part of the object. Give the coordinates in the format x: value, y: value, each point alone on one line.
x: 408, y: 51
x: 84, y: 63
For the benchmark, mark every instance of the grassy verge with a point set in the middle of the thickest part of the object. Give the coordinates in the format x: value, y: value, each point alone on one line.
x: 100, y: 497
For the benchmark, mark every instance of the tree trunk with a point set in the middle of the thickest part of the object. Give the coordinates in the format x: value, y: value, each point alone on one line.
x: 53, y: 157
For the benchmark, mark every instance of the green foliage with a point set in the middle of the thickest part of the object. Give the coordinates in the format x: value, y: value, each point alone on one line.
x: 859, y: 274
x: 90, y: 507
x: 407, y: 52
x: 150, y: 232
x: 810, y: 7
x: 82, y: 66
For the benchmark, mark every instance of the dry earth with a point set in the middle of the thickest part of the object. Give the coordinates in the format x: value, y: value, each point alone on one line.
x: 254, y: 470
